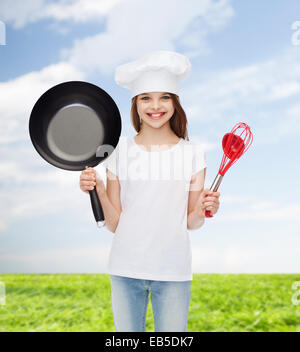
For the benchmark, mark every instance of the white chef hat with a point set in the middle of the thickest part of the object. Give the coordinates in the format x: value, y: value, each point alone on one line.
x: 158, y: 71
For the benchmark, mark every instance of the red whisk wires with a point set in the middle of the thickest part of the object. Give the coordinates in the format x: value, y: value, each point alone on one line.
x: 235, y: 144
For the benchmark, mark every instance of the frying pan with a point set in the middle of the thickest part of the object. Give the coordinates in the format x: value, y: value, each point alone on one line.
x: 75, y: 125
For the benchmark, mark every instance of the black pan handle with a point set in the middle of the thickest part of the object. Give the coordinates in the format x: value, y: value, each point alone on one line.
x: 96, y: 206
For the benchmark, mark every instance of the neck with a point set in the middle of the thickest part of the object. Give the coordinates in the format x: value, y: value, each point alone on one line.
x: 162, y: 135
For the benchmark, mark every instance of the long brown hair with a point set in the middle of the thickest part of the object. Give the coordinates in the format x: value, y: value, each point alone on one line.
x: 178, y: 121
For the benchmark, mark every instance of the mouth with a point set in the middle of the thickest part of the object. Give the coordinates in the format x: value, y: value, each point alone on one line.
x: 156, y: 116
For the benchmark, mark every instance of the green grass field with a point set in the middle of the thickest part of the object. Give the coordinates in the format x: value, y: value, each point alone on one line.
x: 81, y: 302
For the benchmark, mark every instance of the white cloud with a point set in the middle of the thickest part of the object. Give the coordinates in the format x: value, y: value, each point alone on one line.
x: 230, y: 199
x: 88, y: 55
x: 39, y: 194
x: 289, y: 125
x: 25, y: 90
x: 283, y: 90
x: 78, y: 10
x: 81, y: 259
x: 207, y: 146
x: 267, y: 258
x: 21, y: 12
x: 31, y: 188
x: 131, y: 31
x: 30, y: 11
x: 248, y: 94
x: 205, y: 259
x: 215, y: 14
x: 259, y: 210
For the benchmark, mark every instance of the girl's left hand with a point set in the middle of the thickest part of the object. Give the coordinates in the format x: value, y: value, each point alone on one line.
x: 208, y: 200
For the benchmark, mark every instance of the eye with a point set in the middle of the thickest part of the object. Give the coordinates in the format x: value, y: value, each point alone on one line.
x: 165, y: 96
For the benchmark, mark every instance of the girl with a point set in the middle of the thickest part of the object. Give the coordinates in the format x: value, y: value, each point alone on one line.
x: 151, y: 216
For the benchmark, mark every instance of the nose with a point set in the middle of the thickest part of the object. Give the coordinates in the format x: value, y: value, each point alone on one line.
x: 156, y: 104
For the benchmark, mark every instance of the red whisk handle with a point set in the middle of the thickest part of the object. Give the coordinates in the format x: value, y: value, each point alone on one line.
x: 208, y: 214
x: 214, y: 188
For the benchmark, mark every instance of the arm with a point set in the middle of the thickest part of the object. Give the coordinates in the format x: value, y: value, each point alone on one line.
x: 110, y: 201
x: 194, y: 219
x: 200, y: 200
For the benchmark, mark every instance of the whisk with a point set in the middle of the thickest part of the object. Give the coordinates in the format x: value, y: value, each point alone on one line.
x: 234, y: 146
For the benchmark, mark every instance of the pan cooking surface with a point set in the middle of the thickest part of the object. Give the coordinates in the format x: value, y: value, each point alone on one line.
x: 75, y: 132
x: 70, y: 121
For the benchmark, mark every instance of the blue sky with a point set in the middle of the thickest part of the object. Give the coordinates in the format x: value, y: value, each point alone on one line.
x: 245, y: 67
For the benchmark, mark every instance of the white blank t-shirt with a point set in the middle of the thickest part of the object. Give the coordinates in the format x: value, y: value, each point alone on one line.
x: 151, y: 241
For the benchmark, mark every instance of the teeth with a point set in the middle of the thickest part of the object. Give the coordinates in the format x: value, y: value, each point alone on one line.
x: 156, y: 115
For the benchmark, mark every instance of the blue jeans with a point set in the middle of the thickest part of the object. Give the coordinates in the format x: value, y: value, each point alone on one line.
x: 170, y: 303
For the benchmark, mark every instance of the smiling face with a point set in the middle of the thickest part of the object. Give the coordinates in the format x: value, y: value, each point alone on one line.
x: 155, y: 108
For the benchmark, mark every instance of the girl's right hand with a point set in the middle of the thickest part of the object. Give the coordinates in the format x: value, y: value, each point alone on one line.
x: 89, y: 179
